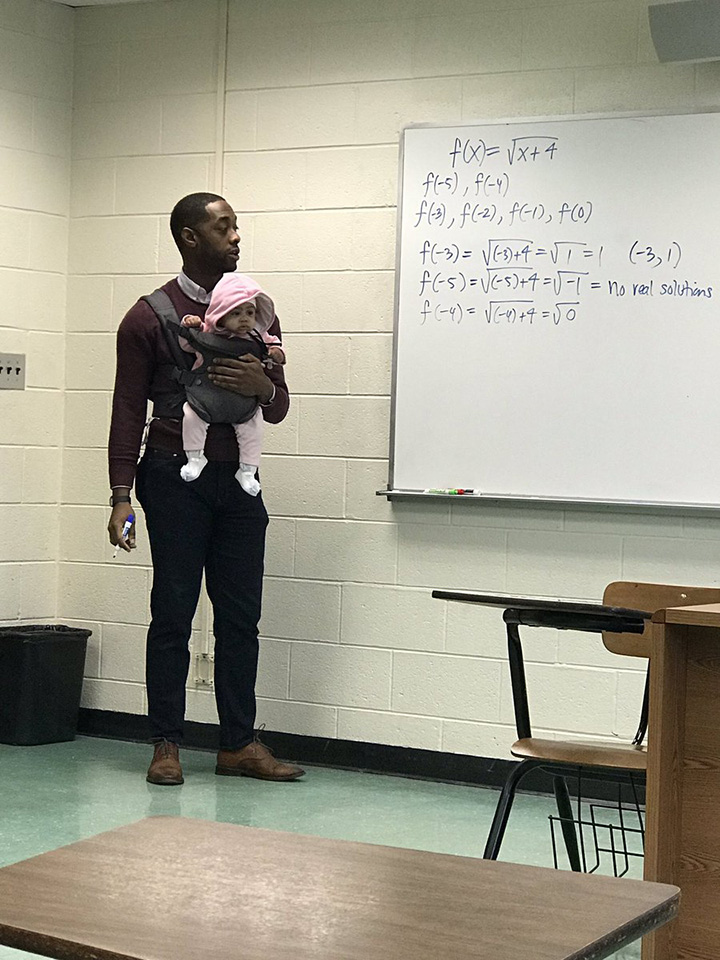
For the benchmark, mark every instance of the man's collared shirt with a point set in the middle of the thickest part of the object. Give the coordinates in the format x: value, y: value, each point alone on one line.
x: 192, y: 289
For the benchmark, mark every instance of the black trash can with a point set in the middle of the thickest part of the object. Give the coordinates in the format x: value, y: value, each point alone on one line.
x: 40, y: 683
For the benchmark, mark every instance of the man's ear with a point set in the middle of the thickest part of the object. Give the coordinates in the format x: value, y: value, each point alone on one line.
x: 188, y: 236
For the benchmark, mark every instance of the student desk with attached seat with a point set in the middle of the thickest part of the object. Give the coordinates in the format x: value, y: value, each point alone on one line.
x: 560, y: 758
x: 171, y: 888
x: 682, y: 836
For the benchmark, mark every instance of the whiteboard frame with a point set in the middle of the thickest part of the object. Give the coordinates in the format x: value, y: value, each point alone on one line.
x: 393, y: 493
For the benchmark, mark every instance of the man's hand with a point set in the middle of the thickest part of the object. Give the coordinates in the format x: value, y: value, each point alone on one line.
x: 119, y: 515
x: 246, y: 375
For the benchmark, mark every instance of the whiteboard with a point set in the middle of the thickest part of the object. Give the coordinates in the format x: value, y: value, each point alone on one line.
x: 557, y: 328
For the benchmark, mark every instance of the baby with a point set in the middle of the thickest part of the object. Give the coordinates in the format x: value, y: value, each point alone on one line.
x: 238, y: 308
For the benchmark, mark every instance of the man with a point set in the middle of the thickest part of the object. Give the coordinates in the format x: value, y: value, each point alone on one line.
x: 211, y: 524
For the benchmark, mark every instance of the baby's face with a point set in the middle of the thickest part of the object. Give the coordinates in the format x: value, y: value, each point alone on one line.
x: 240, y: 320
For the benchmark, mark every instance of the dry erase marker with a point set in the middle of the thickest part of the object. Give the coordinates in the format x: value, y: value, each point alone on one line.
x: 125, y: 531
x: 451, y: 491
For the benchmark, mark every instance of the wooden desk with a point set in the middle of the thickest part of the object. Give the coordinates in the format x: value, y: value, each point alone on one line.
x: 170, y: 888
x: 682, y: 843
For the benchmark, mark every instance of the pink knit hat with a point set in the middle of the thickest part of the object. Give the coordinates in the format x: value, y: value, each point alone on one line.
x: 229, y: 292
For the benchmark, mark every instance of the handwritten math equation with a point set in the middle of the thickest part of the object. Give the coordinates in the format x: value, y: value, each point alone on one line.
x: 467, y: 195
x: 468, y: 265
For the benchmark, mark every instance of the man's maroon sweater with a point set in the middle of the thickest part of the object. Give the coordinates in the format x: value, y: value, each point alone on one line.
x: 144, y: 365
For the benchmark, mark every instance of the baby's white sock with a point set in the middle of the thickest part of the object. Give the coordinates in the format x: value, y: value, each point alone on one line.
x: 245, y: 476
x: 197, y: 461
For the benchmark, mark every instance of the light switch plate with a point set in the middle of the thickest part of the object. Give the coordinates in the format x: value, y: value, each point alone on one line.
x: 12, y: 371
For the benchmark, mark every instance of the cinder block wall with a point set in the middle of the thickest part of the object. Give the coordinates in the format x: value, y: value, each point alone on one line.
x: 317, y: 91
x: 36, y: 50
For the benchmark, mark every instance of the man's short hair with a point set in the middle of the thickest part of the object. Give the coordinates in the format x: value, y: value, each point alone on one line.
x: 190, y: 212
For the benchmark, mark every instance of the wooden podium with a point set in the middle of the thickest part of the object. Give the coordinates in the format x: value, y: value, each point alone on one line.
x: 682, y: 844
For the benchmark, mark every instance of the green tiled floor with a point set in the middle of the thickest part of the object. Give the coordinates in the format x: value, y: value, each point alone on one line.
x: 56, y: 794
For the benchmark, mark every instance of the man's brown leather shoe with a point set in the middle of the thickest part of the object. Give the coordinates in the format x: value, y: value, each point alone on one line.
x: 255, y: 760
x: 165, y: 769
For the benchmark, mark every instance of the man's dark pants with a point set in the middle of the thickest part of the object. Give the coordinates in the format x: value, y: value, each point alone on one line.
x: 211, y: 524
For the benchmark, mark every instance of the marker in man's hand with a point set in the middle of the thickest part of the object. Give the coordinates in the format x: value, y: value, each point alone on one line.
x: 125, y: 531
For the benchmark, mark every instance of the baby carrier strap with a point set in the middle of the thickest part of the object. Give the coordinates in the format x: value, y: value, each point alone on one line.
x: 171, y: 327
x: 211, y: 345
x: 169, y: 402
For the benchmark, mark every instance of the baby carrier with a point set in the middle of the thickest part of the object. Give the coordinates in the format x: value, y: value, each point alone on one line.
x: 212, y: 404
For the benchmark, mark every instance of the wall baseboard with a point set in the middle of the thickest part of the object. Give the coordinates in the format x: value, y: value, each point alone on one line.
x: 348, y: 755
